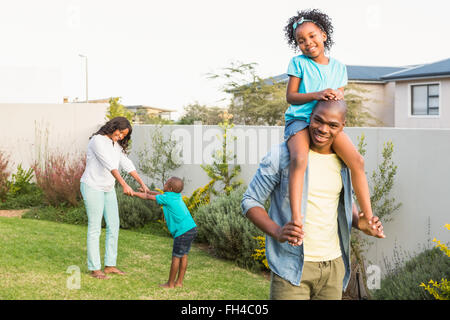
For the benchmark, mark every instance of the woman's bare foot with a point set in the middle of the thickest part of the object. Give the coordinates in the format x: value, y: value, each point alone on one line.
x: 167, y: 286
x: 178, y: 285
x: 99, y: 274
x: 114, y: 270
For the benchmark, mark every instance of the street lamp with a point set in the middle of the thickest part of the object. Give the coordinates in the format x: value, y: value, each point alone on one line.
x: 83, y: 56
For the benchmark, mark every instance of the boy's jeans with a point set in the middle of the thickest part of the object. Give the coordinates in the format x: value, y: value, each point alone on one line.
x: 99, y: 204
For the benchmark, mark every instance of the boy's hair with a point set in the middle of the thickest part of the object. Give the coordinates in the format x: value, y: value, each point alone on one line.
x: 176, y: 184
x: 320, y: 19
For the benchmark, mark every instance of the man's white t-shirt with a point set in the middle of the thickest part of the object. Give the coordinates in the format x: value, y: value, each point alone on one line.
x: 321, y: 242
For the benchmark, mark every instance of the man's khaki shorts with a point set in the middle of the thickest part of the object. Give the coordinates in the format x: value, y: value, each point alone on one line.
x: 320, y: 281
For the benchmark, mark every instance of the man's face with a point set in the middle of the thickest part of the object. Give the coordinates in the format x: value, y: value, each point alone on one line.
x: 325, y: 124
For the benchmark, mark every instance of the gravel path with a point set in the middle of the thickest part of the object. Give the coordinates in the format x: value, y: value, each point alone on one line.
x: 12, y: 213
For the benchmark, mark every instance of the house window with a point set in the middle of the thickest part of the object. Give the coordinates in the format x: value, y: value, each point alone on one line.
x: 425, y: 100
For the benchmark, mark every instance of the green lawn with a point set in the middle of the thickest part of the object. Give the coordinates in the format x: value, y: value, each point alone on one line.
x: 35, y: 254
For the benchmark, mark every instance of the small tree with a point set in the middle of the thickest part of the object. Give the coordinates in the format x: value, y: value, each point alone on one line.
x: 254, y: 100
x: 383, y: 204
x: 159, y: 162
x: 220, y: 170
x: 117, y: 109
x: 357, y: 114
x: 197, y: 112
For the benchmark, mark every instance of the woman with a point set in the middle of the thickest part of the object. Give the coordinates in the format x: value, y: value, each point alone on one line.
x: 106, y: 151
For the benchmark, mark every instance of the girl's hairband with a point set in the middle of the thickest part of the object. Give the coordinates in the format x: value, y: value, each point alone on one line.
x: 302, y: 20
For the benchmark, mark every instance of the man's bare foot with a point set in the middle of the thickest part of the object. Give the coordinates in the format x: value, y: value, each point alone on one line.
x: 167, y: 286
x: 99, y: 274
x: 114, y: 270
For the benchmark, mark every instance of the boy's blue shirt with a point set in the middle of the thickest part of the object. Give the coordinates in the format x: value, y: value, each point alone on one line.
x: 315, y: 77
x: 178, y: 217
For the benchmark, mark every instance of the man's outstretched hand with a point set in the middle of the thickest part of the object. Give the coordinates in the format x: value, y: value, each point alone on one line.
x: 371, y: 227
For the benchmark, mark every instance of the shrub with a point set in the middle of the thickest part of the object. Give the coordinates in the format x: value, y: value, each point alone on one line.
x: 59, y: 178
x: 229, y: 234
x: 199, y: 197
x: 20, y: 181
x: 22, y: 193
x: 4, y: 174
x: 440, y: 291
x: 33, y: 198
x: 71, y: 215
x: 402, y: 283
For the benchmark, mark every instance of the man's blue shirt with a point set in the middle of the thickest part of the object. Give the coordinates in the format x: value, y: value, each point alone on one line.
x: 272, y: 180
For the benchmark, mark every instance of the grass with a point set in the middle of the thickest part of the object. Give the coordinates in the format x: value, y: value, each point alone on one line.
x: 35, y: 254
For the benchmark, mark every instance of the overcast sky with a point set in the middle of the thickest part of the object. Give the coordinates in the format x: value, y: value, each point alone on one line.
x: 157, y: 53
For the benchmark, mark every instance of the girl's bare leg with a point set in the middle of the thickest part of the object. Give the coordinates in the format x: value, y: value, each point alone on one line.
x: 345, y: 149
x: 298, y: 146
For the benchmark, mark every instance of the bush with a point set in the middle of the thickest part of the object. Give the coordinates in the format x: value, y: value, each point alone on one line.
x: 71, y: 215
x: 402, y: 283
x: 4, y: 174
x: 229, y: 234
x: 22, y: 193
x: 59, y: 178
x: 440, y: 291
x: 33, y: 198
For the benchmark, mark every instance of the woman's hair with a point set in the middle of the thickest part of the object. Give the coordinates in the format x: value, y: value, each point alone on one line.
x: 320, y: 19
x: 117, y: 123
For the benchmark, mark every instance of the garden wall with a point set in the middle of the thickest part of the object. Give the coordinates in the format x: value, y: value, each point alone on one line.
x: 422, y: 183
x: 28, y: 129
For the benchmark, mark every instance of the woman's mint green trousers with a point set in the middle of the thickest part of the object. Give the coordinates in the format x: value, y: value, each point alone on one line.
x: 101, y: 204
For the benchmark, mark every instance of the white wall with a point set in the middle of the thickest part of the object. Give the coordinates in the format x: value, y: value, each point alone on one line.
x: 422, y: 183
x: 26, y: 128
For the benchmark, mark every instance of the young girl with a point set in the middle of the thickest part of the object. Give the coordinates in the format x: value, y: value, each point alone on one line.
x: 314, y: 76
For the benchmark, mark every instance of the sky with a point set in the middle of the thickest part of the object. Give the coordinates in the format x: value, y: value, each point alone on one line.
x: 158, y: 53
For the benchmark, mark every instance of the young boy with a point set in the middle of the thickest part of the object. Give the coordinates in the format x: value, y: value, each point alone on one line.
x: 180, y: 224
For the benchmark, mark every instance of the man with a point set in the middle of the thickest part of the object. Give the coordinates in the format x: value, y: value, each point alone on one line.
x: 320, y: 267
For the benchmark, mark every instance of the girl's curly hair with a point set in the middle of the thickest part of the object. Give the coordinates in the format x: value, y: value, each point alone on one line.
x: 117, y: 123
x: 322, y: 21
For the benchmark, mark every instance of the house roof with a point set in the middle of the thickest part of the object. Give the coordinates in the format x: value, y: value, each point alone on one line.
x: 370, y: 73
x: 358, y: 73
x: 376, y: 73
x: 436, y: 69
